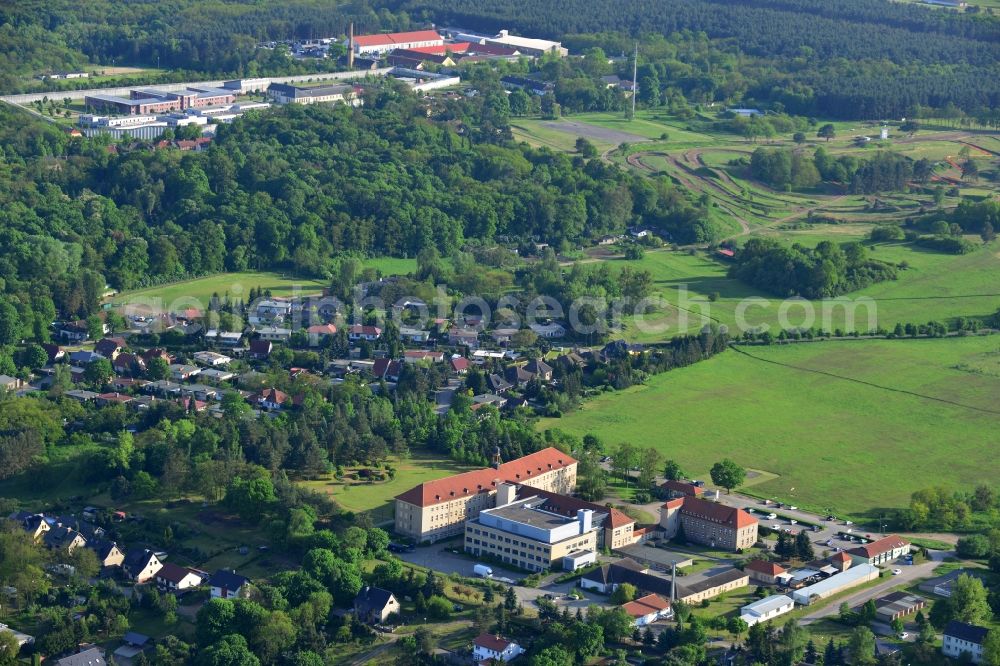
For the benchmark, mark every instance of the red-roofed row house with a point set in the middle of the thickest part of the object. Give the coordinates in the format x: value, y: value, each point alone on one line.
x: 438, y: 509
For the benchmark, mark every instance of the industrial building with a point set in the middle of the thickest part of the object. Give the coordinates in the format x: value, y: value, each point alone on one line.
x: 525, y: 535
x: 145, y: 101
x: 379, y: 44
x: 524, y: 45
x: 856, y: 575
x: 284, y: 93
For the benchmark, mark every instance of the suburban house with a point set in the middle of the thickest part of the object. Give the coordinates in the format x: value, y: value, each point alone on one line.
x: 357, y: 332
x: 840, y: 561
x: 274, y: 333
x: 524, y: 534
x: 141, y: 565
x: 87, y: 656
x: 55, y: 352
x: 227, y: 584
x: 271, y: 399
x: 181, y: 373
x: 437, y: 509
x: 108, y: 553
x: 540, y: 369
x: 128, y: 364
x: 260, y: 349
x: 418, y: 355
x: 174, y: 578
x: 267, y: 310
x: 459, y: 365
x: 488, y: 647
x: 648, y: 609
x: 211, y: 359
x: 133, y: 644
x: 960, y: 637
x: 498, y: 384
x: 319, y: 333
x: 374, y: 605
x: 8, y: 383
x: 709, y: 523
x: 766, y: 609
x: 109, y: 348
x: 63, y: 539
x: 762, y: 571
x: 886, y: 549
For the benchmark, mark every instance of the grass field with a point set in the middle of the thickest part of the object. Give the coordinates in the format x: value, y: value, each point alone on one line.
x: 839, y: 444
x: 362, y: 496
x: 238, y: 285
x: 935, y: 287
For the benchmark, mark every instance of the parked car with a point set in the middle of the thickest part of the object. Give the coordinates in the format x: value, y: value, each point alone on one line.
x: 772, y: 516
x: 896, y: 572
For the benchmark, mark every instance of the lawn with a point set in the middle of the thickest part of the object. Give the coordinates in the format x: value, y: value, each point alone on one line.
x: 853, y: 447
x: 935, y: 287
x: 199, y: 291
x: 363, y: 496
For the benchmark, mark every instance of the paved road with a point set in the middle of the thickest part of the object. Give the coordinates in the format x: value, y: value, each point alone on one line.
x: 910, y: 574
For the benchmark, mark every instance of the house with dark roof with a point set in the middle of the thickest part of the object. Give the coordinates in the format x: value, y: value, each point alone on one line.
x: 491, y: 648
x: 897, y: 604
x: 540, y: 369
x: 109, y: 348
x: 672, y: 489
x: 87, y: 656
x: 374, y: 605
x: 133, y: 644
x: 108, y: 553
x: 228, y: 584
x: 961, y: 638
x: 516, y: 375
x: 709, y: 523
x: 498, y: 384
x: 260, y: 349
x: 63, y: 539
x: 886, y: 549
x: 141, y: 565
x: 608, y: 577
x: 713, y: 586
x: 175, y: 578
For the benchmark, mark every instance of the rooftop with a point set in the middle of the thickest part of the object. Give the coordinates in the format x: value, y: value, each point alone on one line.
x: 883, y: 545
x: 651, y: 603
x: 966, y: 632
x: 529, y: 511
x: 767, y: 604
x: 717, y: 513
x: 767, y: 568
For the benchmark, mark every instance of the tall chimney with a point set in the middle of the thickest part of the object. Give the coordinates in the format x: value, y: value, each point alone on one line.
x: 673, y: 583
x: 350, y: 47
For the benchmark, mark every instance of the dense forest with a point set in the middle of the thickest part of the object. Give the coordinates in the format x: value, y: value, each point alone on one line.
x: 856, y: 59
x: 826, y: 271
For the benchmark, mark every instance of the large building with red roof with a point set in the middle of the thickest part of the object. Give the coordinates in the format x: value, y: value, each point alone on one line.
x: 884, y: 550
x: 383, y: 43
x: 438, y: 509
x: 709, y: 523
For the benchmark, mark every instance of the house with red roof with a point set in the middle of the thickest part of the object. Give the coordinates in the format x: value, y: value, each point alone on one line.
x: 270, y: 399
x: 459, y: 364
x: 438, y: 509
x: 886, y: 549
x: 491, y: 647
x: 358, y: 332
x: 319, y: 333
x: 763, y: 571
x: 674, y: 489
x: 648, y: 609
x: 709, y: 523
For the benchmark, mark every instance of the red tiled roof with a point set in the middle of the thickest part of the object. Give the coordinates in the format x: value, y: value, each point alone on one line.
x: 841, y: 557
x: 646, y: 605
x: 273, y: 395
x: 491, y: 642
x: 485, y: 480
x: 115, y: 397
x: 322, y: 329
x: 766, y: 568
x: 883, y: 545
x: 397, y: 38
x: 458, y: 47
x: 717, y: 513
x: 460, y: 363
x: 674, y: 503
x: 682, y: 487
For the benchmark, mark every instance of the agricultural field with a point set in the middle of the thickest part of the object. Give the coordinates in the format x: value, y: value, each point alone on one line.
x: 934, y: 287
x: 876, y: 419
x: 359, y: 495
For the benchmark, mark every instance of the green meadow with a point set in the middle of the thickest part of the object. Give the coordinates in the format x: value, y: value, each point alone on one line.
x: 855, y: 443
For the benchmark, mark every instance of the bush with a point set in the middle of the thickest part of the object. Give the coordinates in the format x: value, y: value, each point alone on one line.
x: 438, y: 608
x: 888, y: 232
x: 947, y: 244
x: 974, y: 546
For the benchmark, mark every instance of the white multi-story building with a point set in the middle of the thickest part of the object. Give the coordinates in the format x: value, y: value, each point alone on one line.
x: 489, y: 646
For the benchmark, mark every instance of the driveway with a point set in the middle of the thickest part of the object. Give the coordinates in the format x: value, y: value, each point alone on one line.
x: 439, y: 559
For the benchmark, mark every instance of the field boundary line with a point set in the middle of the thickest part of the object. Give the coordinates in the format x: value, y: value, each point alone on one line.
x: 985, y: 410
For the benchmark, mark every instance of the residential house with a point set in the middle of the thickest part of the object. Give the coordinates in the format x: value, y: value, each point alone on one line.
x: 87, y: 656
x: 141, y: 565
x: 181, y: 373
x: 8, y: 383
x: 133, y: 644
x: 81, y: 396
x: 174, y: 578
x: 414, y: 336
x: 387, y: 369
x: 268, y: 310
x: 886, y: 549
x: 374, y: 605
x: 459, y: 365
x: 418, y: 355
x: 648, y: 609
x: 113, y: 398
x: 55, y: 352
x: 109, y: 348
x: 319, y: 333
x: 766, y: 609
x: 271, y: 399
x: 540, y: 369
x: 463, y: 336
x: 959, y: 638
x: 108, y: 553
x: 709, y: 523
x: 498, y: 384
x: 34, y: 524
x: 212, y: 359
x: 763, y: 571
x: 492, y: 648
x: 228, y: 584
x: 478, y: 401
x: 63, y: 539
x: 154, y: 353
x: 74, y: 331
x: 549, y: 330
x: 358, y: 332
x: 516, y: 375
x: 82, y: 357
x: 260, y: 349
x: 129, y: 364
x: 274, y: 333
